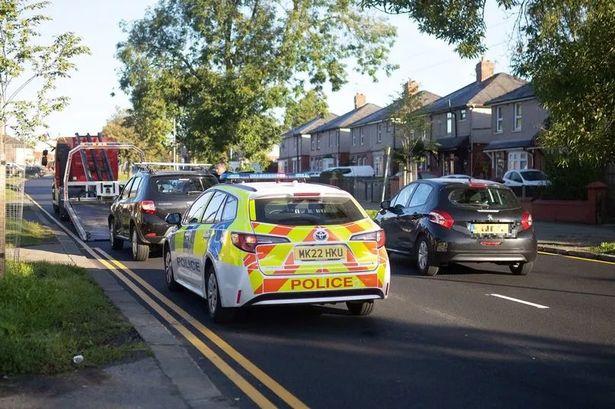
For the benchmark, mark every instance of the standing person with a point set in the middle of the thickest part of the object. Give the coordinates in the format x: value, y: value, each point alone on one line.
x: 219, y: 169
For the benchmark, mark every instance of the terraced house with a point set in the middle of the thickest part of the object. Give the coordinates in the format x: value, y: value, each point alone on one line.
x: 461, y: 122
x: 330, y: 143
x: 295, y: 145
x: 371, y: 135
x: 517, y: 118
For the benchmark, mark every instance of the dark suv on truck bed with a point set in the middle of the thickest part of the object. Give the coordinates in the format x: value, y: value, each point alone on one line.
x: 442, y: 221
x: 138, y: 213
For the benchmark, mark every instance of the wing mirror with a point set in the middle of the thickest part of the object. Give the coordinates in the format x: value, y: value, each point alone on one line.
x: 385, y: 205
x: 174, y: 219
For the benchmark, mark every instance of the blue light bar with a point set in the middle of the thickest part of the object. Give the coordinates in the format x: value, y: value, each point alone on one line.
x: 263, y: 176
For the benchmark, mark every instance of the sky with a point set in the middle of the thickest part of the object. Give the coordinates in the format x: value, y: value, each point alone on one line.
x: 425, y: 59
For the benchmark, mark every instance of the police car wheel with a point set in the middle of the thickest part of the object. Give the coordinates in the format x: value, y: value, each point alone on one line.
x: 140, y: 252
x: 217, y: 312
x: 360, y: 308
x: 169, y: 275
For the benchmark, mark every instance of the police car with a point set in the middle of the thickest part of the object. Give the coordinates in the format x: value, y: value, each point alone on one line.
x: 277, y: 243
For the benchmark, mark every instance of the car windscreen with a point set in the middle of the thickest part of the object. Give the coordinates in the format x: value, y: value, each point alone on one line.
x: 294, y: 211
x: 182, y: 185
x: 533, y: 175
x: 482, y: 197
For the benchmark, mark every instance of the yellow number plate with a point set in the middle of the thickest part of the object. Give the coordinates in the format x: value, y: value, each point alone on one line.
x: 320, y: 253
x: 491, y: 228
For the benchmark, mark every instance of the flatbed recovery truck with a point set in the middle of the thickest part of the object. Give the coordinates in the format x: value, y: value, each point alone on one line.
x: 86, y: 182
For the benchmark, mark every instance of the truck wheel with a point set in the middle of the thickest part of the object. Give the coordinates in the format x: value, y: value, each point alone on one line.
x: 116, y: 242
x: 360, y: 308
x: 140, y: 252
x: 217, y: 312
x: 63, y: 212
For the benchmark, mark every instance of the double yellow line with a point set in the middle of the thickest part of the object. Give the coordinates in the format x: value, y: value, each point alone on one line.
x: 123, y: 273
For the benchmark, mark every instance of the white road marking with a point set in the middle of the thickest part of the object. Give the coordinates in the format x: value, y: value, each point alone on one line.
x: 519, y: 301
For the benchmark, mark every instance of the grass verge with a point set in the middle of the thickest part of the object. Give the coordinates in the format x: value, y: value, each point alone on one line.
x: 52, y: 312
x: 605, y: 248
x: 31, y: 234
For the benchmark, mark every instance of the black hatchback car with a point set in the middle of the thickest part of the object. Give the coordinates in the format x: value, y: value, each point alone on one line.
x: 442, y: 221
x: 138, y: 213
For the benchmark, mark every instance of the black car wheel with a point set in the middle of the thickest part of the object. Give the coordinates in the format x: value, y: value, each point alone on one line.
x: 424, y: 258
x: 140, y: 252
x: 116, y: 242
x: 169, y: 275
x: 217, y: 312
x: 522, y: 269
x: 360, y: 308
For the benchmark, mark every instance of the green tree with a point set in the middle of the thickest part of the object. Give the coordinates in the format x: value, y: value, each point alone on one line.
x: 125, y: 126
x: 25, y: 64
x: 413, y: 126
x: 311, y: 105
x: 223, y: 68
x: 563, y: 46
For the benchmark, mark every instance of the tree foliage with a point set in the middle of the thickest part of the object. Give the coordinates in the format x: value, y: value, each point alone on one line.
x: 311, y: 105
x: 413, y: 125
x: 222, y: 68
x: 565, y: 47
x: 27, y: 65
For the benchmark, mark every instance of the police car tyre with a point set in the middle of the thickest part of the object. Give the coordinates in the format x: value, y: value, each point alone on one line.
x: 116, y: 242
x: 361, y: 307
x: 424, y: 258
x: 521, y: 269
x: 169, y: 275
x: 140, y: 252
x: 217, y: 312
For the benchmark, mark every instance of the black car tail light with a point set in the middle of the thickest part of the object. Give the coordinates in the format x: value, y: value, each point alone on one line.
x: 248, y: 242
x: 441, y: 218
x: 377, y: 236
x: 148, y: 207
x: 526, y: 220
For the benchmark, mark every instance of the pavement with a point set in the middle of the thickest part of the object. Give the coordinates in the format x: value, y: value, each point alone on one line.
x: 169, y: 379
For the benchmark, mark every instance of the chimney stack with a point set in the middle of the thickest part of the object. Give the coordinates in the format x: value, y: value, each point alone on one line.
x: 484, y: 70
x: 412, y: 87
x: 359, y: 100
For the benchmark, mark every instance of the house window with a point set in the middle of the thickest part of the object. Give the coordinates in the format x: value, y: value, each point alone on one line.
x: 362, y: 138
x: 330, y: 140
x: 518, y: 116
x: 379, y: 133
x: 313, y: 142
x: 499, y: 119
x: 337, y: 138
x: 517, y: 160
x: 354, y: 137
x: 462, y: 115
x: 318, y: 142
x: 449, y: 123
x: 389, y: 126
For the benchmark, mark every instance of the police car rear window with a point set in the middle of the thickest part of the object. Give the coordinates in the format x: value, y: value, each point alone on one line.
x: 182, y: 185
x: 307, y: 211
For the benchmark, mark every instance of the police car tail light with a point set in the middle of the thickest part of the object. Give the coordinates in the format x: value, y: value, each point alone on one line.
x: 526, y: 220
x: 377, y: 236
x: 248, y: 242
x: 148, y: 206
